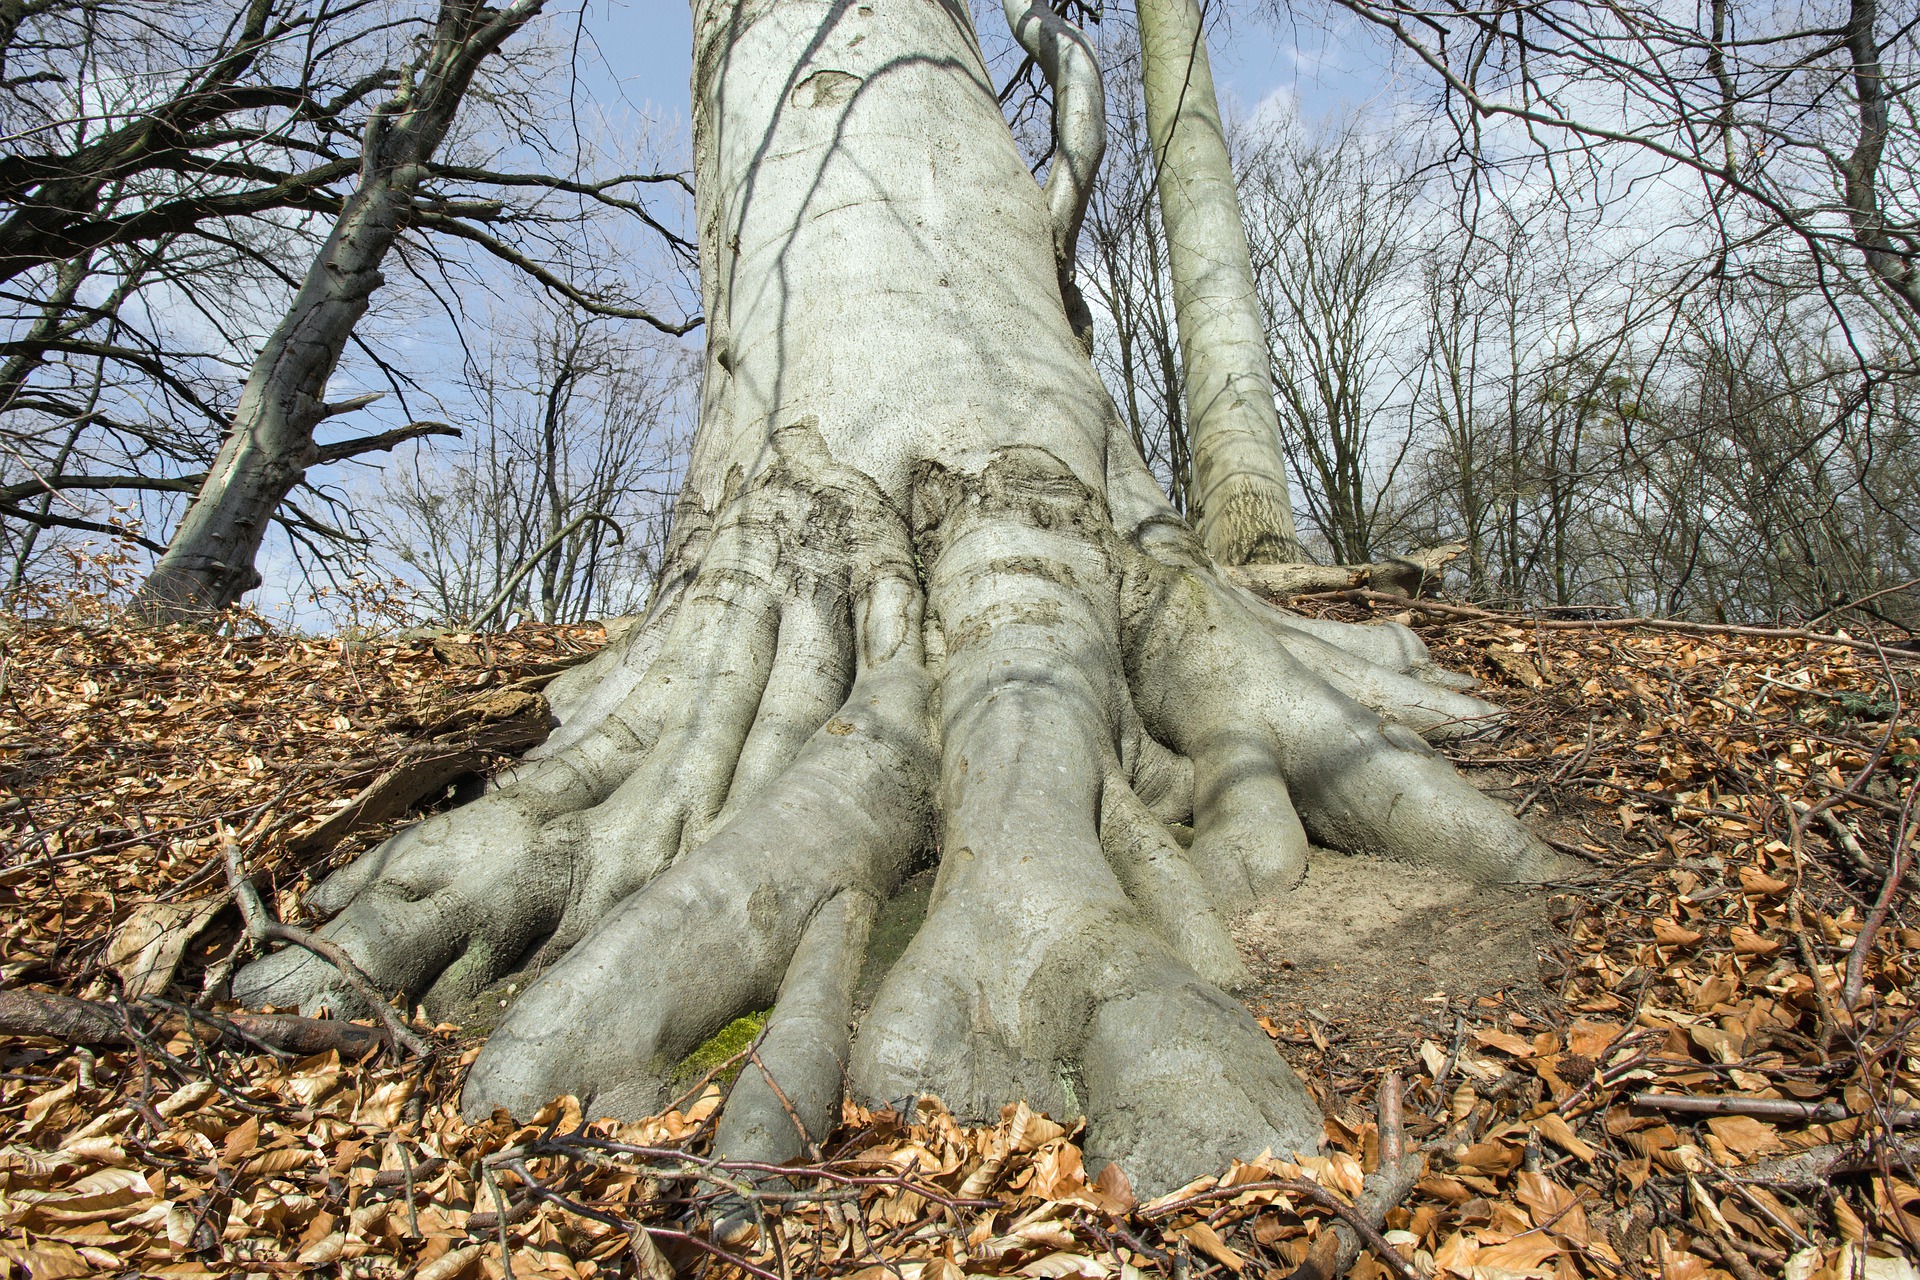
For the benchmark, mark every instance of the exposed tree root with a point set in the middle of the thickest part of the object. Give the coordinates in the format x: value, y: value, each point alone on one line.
x: 792, y: 735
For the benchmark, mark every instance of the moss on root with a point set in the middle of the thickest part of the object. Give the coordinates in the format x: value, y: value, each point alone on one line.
x: 728, y: 1042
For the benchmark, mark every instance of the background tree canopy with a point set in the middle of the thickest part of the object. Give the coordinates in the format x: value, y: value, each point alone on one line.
x: 1621, y: 303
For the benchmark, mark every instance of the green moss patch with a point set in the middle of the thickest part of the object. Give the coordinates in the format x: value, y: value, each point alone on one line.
x: 723, y: 1044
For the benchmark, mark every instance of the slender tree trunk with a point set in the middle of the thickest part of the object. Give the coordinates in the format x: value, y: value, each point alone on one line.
x: 925, y: 606
x: 1239, y: 469
x: 210, y: 561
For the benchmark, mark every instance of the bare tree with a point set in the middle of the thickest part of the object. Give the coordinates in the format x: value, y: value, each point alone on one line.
x: 576, y: 437
x: 209, y: 561
x: 921, y: 583
x: 162, y: 156
x: 1332, y: 226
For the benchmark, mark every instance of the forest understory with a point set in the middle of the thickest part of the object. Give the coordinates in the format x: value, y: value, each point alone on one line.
x: 1734, y: 940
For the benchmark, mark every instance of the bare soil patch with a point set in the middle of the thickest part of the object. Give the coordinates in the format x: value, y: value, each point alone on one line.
x: 1377, y: 951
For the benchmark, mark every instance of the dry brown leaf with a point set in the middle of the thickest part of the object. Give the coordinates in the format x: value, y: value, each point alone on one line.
x: 146, y: 949
x: 1525, y: 1255
x: 1748, y: 943
x: 1554, y: 1128
x: 1028, y: 1130
x: 1208, y: 1241
x: 1505, y: 1042
x: 456, y: 1263
x: 1745, y: 1136
x: 1055, y: 1265
x: 1669, y: 933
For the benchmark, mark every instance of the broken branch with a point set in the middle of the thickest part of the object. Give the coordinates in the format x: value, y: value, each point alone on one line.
x: 74, y: 1021
x: 263, y: 929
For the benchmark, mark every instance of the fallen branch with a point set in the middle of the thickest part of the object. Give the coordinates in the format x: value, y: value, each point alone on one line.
x: 1408, y: 575
x: 1818, y: 1166
x: 263, y: 929
x: 505, y: 722
x: 74, y: 1021
x: 1363, y: 595
x: 1761, y: 1108
x: 1335, y: 1251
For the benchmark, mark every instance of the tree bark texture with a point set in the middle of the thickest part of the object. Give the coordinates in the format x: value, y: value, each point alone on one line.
x: 209, y: 563
x: 927, y: 607
x: 1239, y: 494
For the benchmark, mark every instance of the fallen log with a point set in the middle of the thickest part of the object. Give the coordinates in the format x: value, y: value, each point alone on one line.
x: 74, y: 1021
x: 1817, y: 1166
x: 1415, y: 574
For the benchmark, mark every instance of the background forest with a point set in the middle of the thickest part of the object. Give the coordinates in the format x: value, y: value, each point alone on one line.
x: 1625, y: 306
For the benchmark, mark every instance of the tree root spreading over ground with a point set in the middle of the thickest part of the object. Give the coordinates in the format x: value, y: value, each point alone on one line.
x: 1680, y: 971
x: 1039, y: 713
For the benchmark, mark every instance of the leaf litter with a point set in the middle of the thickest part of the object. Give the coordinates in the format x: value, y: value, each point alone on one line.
x: 1686, y: 1092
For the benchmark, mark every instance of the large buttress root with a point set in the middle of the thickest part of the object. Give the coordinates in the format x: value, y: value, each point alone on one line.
x: 1282, y: 738
x: 716, y: 841
x: 1035, y: 975
x: 755, y: 645
x: 714, y: 936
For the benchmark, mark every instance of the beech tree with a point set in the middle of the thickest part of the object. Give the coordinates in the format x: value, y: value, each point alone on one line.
x: 926, y: 605
x: 208, y: 564
x: 1243, y: 510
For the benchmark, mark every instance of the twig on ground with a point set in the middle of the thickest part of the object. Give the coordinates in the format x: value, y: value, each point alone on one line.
x: 717, y: 1169
x: 1822, y: 999
x: 1567, y: 766
x: 1362, y: 595
x: 1760, y: 1108
x: 1720, y: 1250
x: 1352, y: 1215
x: 1896, y: 869
x: 263, y: 928
x: 1393, y: 1132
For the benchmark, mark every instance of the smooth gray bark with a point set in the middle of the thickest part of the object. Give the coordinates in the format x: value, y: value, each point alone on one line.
x: 210, y: 561
x: 1239, y: 490
x: 928, y: 607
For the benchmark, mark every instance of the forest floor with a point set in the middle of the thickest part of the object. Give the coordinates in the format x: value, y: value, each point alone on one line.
x: 1732, y: 943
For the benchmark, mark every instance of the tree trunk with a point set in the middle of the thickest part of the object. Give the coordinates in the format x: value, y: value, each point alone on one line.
x: 1239, y: 470
x: 926, y: 607
x: 209, y: 562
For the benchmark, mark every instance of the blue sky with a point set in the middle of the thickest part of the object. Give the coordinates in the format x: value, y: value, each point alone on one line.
x: 646, y: 48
